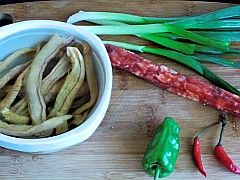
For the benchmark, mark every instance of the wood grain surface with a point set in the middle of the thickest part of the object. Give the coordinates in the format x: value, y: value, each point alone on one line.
x: 115, y: 150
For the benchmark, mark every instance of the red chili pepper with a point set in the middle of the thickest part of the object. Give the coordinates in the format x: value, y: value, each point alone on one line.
x: 224, y: 159
x: 197, y: 156
x: 197, y: 150
x: 221, y: 155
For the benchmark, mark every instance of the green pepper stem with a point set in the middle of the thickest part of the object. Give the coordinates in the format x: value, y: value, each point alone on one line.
x: 157, y: 172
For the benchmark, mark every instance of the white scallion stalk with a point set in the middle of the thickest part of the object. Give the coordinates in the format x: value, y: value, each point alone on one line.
x: 126, y: 30
x: 120, y: 17
x: 129, y: 46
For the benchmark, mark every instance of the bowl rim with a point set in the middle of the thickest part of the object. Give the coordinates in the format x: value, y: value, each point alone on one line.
x: 90, y: 125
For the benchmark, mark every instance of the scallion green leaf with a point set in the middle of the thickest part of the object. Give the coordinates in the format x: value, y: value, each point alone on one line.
x: 178, y: 46
x: 217, y: 60
x: 229, y: 25
x: 224, y: 46
x: 228, y: 36
x: 224, y: 13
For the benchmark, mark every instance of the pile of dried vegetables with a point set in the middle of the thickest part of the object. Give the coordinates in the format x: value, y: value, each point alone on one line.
x: 187, y: 40
x: 51, y: 89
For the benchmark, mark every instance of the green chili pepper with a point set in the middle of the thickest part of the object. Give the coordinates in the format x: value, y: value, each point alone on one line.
x: 162, y: 152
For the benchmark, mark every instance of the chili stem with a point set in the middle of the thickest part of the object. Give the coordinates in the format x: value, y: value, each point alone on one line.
x: 205, y: 129
x: 223, y: 121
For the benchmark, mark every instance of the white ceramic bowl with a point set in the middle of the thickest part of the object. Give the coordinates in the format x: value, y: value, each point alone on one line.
x: 28, y: 34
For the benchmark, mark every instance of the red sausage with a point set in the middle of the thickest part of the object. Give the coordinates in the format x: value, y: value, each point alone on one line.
x: 173, y: 81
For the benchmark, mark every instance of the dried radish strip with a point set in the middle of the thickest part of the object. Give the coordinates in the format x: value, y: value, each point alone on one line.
x: 36, y: 104
x: 79, y: 119
x: 22, y: 102
x: 13, y: 118
x: 12, y: 60
x: 74, y: 53
x: 57, y: 73
x: 12, y: 94
x: 71, y: 86
x: 69, y: 83
x: 52, y: 93
x: 47, y: 125
x: 12, y: 74
x: 83, y: 90
x: 51, y: 65
x: 14, y: 127
x: 48, y: 82
x: 5, y: 90
x: 91, y: 79
x: 39, y: 47
x: 81, y: 101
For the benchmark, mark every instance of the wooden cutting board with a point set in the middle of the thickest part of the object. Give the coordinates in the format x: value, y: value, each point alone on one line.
x: 115, y: 150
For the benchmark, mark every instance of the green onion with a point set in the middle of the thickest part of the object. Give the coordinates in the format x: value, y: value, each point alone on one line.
x: 126, y: 30
x: 186, y: 60
x: 225, y: 13
x: 120, y: 17
x: 185, y: 48
x: 228, y: 36
x: 217, y: 19
x: 207, y: 50
x: 155, y: 28
x: 200, y: 48
x: 230, y: 12
x: 194, y: 39
x: 217, y: 60
x: 215, y: 25
x: 158, y: 39
x: 198, y: 39
x: 178, y: 46
x: 167, y: 40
